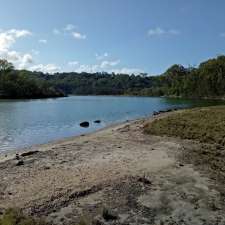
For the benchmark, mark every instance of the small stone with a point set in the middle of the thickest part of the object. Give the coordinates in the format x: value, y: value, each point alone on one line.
x: 17, y: 156
x: 97, y: 121
x: 46, y: 168
x: 144, y: 180
x: 20, y: 163
x: 108, y: 215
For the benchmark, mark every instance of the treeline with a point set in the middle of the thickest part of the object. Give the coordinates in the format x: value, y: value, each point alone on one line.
x: 23, y: 84
x: 99, y: 83
x: 205, y: 81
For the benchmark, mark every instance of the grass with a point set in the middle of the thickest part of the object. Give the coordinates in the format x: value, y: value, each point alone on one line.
x: 16, y: 217
x: 206, y: 125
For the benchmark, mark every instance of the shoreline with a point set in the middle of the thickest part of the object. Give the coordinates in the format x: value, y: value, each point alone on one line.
x: 20, y: 150
x: 139, y: 177
x: 10, y: 154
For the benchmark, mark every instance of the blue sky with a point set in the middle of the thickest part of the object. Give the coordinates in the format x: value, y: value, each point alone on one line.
x: 110, y: 35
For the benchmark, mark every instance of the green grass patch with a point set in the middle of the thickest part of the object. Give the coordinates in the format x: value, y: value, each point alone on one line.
x: 16, y: 217
x: 206, y: 125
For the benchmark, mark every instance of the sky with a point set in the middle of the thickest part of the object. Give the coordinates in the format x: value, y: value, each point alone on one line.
x: 122, y: 36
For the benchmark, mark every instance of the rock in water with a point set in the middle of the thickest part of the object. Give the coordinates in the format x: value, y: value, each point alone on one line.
x: 84, y: 124
x: 97, y: 121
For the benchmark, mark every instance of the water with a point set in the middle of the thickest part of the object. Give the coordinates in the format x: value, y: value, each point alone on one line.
x: 27, y: 122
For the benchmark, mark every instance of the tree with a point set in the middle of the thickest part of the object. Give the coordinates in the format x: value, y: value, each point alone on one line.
x: 5, y: 66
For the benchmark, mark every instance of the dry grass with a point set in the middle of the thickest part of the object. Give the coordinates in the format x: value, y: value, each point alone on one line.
x: 16, y: 217
x: 206, y: 125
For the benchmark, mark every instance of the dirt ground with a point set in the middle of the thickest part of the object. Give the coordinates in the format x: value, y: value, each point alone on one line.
x: 142, y: 179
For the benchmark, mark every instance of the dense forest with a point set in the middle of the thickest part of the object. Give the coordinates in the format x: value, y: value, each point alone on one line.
x: 23, y: 84
x: 205, y: 81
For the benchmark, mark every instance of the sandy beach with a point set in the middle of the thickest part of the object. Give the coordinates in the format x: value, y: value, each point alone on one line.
x: 143, y: 179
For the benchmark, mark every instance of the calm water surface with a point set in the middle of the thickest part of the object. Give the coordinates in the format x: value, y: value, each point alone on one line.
x: 27, y: 122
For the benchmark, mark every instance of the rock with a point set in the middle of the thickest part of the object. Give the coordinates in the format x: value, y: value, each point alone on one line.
x: 84, y: 124
x: 108, y: 215
x: 46, y: 167
x: 155, y: 113
x: 20, y: 163
x: 144, y: 180
x: 17, y: 156
x: 98, y: 221
x: 29, y: 153
x: 97, y: 121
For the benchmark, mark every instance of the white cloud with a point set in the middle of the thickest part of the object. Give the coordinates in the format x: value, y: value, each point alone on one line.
x: 79, y: 36
x: 25, y: 61
x: 20, y: 60
x: 87, y: 68
x: 109, y: 66
x: 19, y: 33
x: 173, y: 32
x: 73, y: 63
x: 7, y: 39
x: 11, y: 55
x: 48, y: 68
x: 97, y: 68
x: 160, y: 32
x: 125, y: 70
x: 35, y: 52
x: 156, y: 31
x: 101, y: 57
x: 56, y: 31
x: 105, y: 64
x: 43, y: 41
x: 69, y: 27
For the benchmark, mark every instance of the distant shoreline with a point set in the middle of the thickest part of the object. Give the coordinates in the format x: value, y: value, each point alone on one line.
x: 222, y: 98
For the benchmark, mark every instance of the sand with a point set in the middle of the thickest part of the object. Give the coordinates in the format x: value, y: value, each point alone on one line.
x: 140, y: 178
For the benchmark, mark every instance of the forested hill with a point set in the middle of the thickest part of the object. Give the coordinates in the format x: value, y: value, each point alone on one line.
x: 205, y: 81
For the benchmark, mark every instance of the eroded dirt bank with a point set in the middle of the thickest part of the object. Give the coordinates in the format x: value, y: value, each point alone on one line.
x: 140, y: 178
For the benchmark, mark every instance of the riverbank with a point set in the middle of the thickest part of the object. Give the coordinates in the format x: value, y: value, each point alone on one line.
x: 140, y: 178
